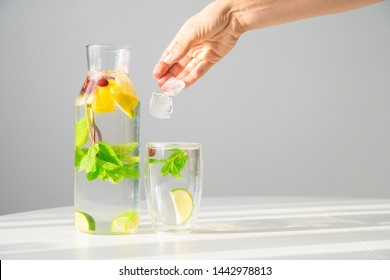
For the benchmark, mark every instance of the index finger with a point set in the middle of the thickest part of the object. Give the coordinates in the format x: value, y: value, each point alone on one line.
x: 160, y: 69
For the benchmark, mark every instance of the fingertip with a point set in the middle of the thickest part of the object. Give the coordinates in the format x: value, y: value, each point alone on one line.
x: 156, y: 71
x: 160, y: 69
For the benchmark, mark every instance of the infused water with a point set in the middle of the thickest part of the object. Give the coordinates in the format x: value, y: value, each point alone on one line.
x: 173, y: 185
x: 106, y: 190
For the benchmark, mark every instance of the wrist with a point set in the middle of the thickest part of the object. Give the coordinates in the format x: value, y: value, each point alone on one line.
x: 223, y: 12
x: 249, y: 14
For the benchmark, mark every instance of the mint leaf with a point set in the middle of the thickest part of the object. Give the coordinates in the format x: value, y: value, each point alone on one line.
x: 106, y: 153
x: 102, y: 162
x: 166, y: 169
x: 174, y: 163
x: 79, y: 153
x: 93, y: 174
x: 88, y: 162
x: 81, y: 132
x: 180, y: 161
x: 131, y: 171
x: 108, y: 166
x: 113, y: 176
x: 122, y: 150
x: 106, y: 171
x: 175, y: 171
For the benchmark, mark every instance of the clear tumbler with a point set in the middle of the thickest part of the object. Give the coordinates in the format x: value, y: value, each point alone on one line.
x: 173, y: 185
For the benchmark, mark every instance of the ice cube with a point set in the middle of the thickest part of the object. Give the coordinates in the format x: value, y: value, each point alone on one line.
x: 173, y: 86
x: 161, y: 106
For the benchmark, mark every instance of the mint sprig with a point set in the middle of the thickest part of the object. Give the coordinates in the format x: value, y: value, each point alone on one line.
x: 175, y: 163
x: 104, y: 162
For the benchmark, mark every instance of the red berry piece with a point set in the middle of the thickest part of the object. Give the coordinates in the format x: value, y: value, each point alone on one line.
x: 152, y: 152
x: 102, y: 83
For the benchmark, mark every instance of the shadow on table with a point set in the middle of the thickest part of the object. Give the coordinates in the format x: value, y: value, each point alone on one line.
x: 36, y: 222
x: 257, y: 220
x: 37, y: 225
x: 248, y: 226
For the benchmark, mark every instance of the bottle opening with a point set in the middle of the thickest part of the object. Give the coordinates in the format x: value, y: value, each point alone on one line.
x: 108, y: 57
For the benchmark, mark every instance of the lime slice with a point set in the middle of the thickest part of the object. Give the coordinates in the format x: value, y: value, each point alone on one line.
x: 126, y: 222
x: 84, y: 222
x: 183, y: 203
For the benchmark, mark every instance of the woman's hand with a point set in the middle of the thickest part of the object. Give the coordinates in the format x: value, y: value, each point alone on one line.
x: 200, y: 43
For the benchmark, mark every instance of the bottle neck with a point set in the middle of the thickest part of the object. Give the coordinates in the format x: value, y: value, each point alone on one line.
x: 108, y: 58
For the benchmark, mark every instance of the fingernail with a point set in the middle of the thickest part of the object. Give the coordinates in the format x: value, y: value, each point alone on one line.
x: 168, y: 59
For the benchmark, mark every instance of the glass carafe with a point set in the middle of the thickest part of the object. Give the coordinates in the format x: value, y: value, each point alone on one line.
x: 106, y: 186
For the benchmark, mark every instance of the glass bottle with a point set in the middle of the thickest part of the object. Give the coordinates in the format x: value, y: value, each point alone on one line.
x: 106, y: 185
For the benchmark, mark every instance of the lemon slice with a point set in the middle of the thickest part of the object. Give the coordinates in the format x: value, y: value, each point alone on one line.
x: 84, y: 222
x: 103, y: 102
x: 124, y: 94
x: 183, y: 203
x: 126, y: 222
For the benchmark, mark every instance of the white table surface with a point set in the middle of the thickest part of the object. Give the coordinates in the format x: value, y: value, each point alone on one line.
x: 227, y: 228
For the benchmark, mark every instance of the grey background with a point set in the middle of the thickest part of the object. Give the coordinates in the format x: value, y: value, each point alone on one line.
x: 299, y: 109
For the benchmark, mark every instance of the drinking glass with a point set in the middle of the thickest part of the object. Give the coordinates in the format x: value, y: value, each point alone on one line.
x: 173, y: 185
